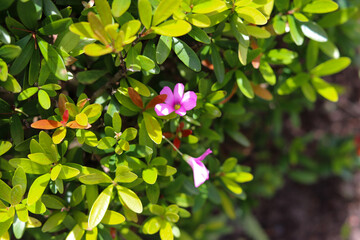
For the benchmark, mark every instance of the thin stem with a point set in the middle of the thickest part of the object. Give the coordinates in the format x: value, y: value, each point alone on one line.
x: 172, y: 145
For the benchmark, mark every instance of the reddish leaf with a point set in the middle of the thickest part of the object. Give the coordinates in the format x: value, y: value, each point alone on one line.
x: 82, y: 103
x: 180, y: 127
x: 177, y: 142
x: 256, y: 62
x: 74, y: 124
x: 61, y: 103
x: 168, y: 134
x: 135, y: 97
x: 156, y: 100
x: 46, y: 124
x: 186, y: 132
x: 65, y: 117
x: 208, y: 64
x: 262, y: 92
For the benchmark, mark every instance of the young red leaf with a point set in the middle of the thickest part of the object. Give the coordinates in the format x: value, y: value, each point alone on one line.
x: 135, y: 97
x: 46, y: 124
x: 75, y: 125
x: 156, y: 100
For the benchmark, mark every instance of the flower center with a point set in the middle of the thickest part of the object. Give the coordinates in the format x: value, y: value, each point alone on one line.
x: 177, y: 106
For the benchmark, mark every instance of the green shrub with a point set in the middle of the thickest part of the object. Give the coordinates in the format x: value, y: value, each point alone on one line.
x: 107, y: 107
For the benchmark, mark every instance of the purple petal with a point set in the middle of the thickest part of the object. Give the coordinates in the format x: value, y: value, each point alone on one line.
x: 189, y: 100
x: 163, y: 109
x: 170, y: 96
x: 178, y: 93
x: 200, y: 172
x: 181, y: 111
x: 207, y: 152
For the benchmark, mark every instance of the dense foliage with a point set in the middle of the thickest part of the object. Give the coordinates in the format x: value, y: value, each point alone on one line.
x: 124, y: 118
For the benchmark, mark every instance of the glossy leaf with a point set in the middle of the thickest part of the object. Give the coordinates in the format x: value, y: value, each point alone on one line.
x: 100, y: 206
x: 119, y: 7
x: 244, y: 84
x: 153, y: 128
x: 145, y: 12
x: 320, y: 6
x: 53, y: 221
x: 37, y: 188
x: 325, y: 89
x: 331, y: 66
x: 112, y: 218
x: 173, y: 28
x: 131, y: 200
x: 164, y: 10
x: 186, y: 55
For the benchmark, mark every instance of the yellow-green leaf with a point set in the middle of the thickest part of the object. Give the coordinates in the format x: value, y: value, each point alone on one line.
x: 244, y: 84
x: 37, y: 188
x: 252, y: 15
x: 320, y: 6
x: 331, y: 66
x: 103, y: 8
x: 59, y: 135
x: 325, y: 89
x: 173, y: 28
x: 96, y: 50
x: 5, y: 191
x: 112, y: 218
x: 153, y: 128
x: 83, y: 29
x: 22, y: 212
x: 130, y: 199
x: 53, y: 221
x: 119, y: 7
x: 55, y: 172
x: 40, y: 158
x: 29, y: 166
x: 19, y: 178
x: 76, y: 233
x: 16, y: 194
x: 78, y: 195
x: 145, y: 12
x: 100, y: 206
x: 166, y: 231
x: 124, y: 175
x: 95, y: 178
x: 164, y: 10
x: 208, y: 6
x: 150, y: 175
x: 199, y: 20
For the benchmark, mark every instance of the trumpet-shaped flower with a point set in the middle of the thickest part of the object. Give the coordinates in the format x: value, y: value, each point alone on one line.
x: 201, y: 173
x: 178, y: 101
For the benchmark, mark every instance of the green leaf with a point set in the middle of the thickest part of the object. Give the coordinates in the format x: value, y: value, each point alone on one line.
x: 279, y: 25
x: 55, y: 27
x: 22, y: 212
x: 251, y: 15
x: 90, y: 76
x: 37, y: 208
x: 16, y: 195
x: 166, y: 171
x: 295, y: 31
x: 329, y: 49
x: 164, y: 10
x: 103, y: 8
x: 229, y: 164
x: 53, y: 202
x: 312, y: 53
x: 78, y: 195
x: 100, y: 206
x: 4, y: 146
x: 150, y: 175
x: 11, y: 84
x: 139, y: 87
x: 166, y: 231
x: 90, y: 138
x: 5, y: 4
x: 153, y: 192
x: 3, y: 71
x: 314, y: 31
x: 320, y: 6
x: 124, y: 175
x: 281, y: 56
x: 106, y: 143
x: 116, y: 122
x: 9, y: 52
x: 130, y: 199
x: 53, y: 221
x: 163, y: 49
x: 34, y: 68
x: 54, y: 61
x: 55, y: 172
x: 95, y: 178
x: 40, y: 158
x: 27, y: 14
x: 37, y: 188
x: 208, y: 6
x: 18, y: 228
x: 239, y: 138
x: 325, y: 89
x: 218, y: 63
x: 112, y: 218
x: 258, y: 32
x: 231, y: 185
x: 308, y: 92
x: 68, y: 172
x: 292, y: 83
x: 44, y: 99
x: 152, y: 225
x: 50, y: 9
x: 29, y: 166
x: 145, y: 62
x: 331, y: 66
x: 119, y: 7
x: 199, y: 35
x: 173, y: 28
x: 242, y: 54
x: 240, y: 177
x: 153, y: 128
x: 83, y: 29
x: 199, y: 20
x: 186, y: 55
x: 267, y: 72
x: 77, y: 233
x: 5, y: 192
x: 145, y: 12
x: 338, y: 17
x: 22, y: 61
x: 16, y: 129
x: 244, y: 84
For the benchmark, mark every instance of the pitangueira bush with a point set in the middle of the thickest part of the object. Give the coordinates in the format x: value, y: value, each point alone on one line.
x: 117, y: 116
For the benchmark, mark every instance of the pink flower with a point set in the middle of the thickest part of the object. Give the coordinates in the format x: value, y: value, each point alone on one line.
x: 201, y: 174
x: 178, y: 101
